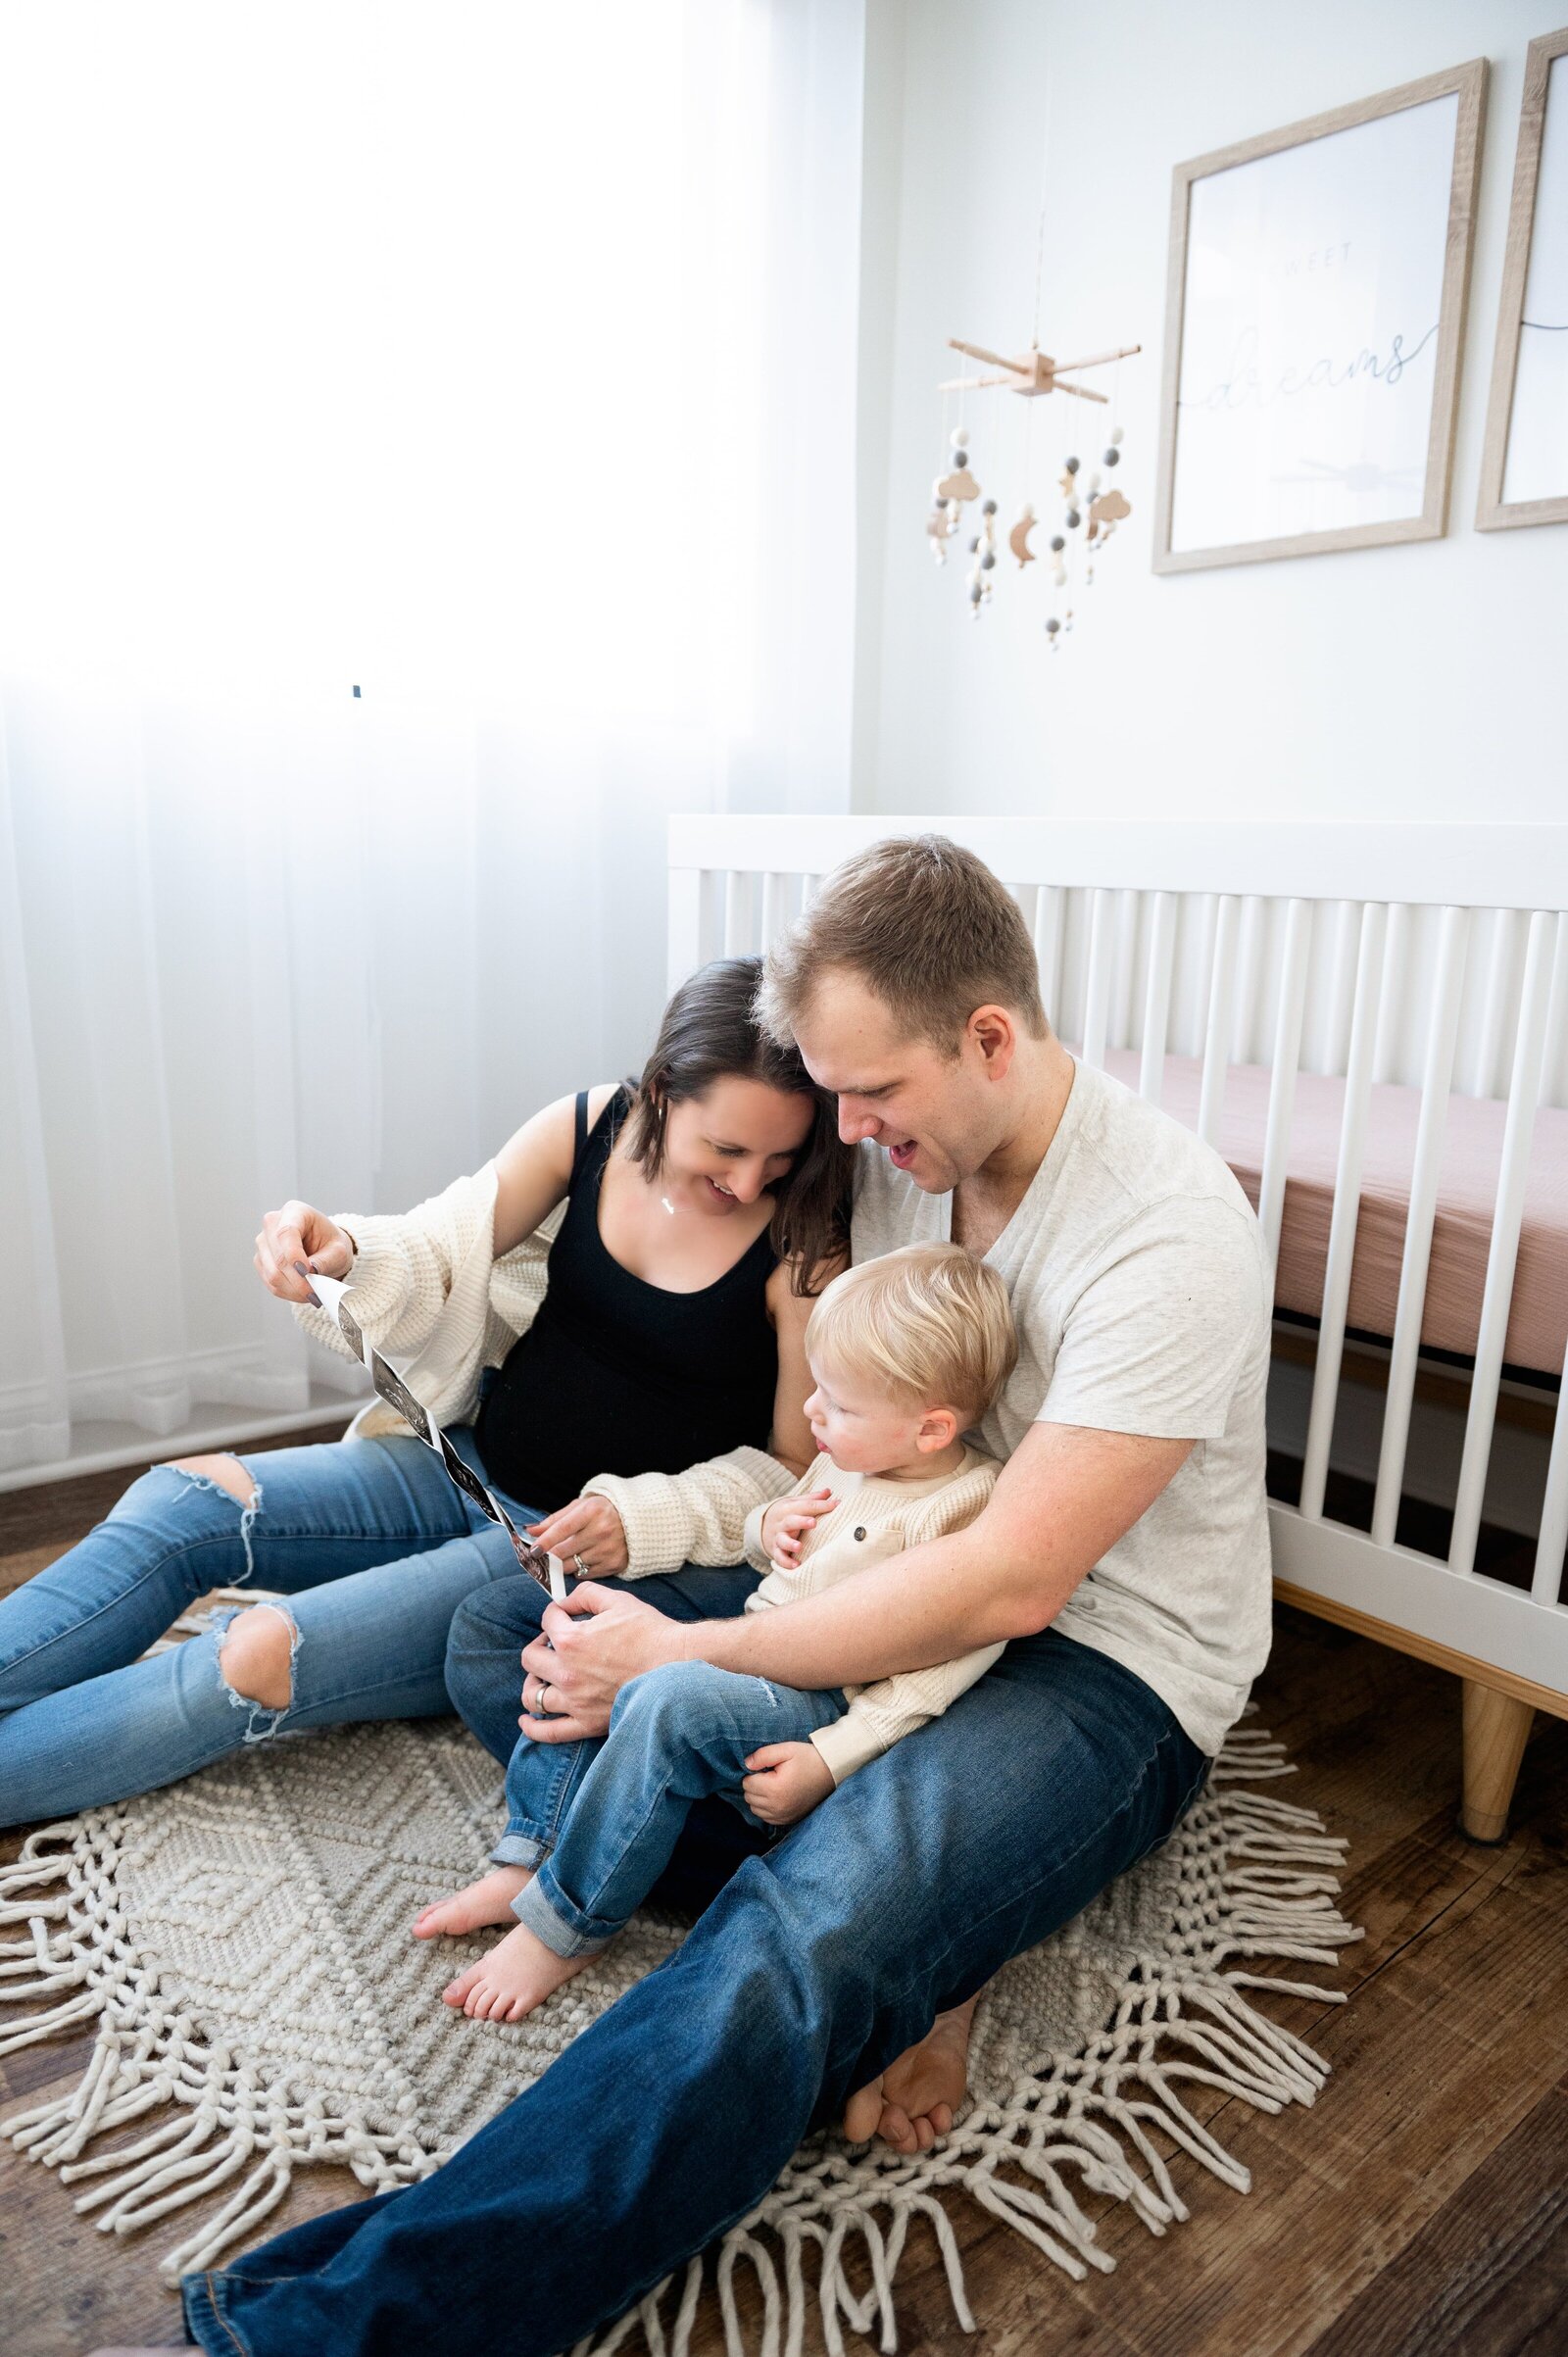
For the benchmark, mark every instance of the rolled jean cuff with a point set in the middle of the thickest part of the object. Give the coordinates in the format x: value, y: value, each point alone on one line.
x: 560, y: 1934
x: 206, y: 2324
x: 518, y: 1850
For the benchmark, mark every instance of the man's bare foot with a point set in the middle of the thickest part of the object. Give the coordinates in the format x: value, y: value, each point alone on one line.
x: 513, y: 1979
x: 488, y: 1900
x: 913, y: 2102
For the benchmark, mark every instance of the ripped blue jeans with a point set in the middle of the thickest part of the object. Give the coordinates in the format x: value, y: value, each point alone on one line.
x: 369, y: 1541
x: 601, y: 1819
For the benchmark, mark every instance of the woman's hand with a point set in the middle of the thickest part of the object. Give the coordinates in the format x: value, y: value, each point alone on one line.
x: 587, y: 1536
x: 300, y: 1233
x: 789, y: 1520
x: 786, y: 1781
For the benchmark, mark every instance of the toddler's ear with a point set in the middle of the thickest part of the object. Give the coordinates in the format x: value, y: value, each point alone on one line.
x: 939, y: 1429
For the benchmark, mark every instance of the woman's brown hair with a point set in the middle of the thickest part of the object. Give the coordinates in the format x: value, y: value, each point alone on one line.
x: 708, y: 1033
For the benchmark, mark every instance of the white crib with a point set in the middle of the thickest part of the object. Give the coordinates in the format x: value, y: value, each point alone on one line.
x: 1341, y: 959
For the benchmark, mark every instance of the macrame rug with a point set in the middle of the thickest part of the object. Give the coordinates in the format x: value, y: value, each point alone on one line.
x: 241, y: 1942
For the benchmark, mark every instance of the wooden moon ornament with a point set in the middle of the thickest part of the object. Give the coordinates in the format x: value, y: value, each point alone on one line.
x: 1018, y: 537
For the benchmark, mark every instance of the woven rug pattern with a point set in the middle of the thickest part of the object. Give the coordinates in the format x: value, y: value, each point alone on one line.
x: 240, y: 1946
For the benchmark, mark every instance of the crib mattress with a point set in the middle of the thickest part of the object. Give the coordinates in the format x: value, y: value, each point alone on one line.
x: 1538, y: 1319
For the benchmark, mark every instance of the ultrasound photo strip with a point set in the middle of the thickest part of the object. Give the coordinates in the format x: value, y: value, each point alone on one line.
x: 327, y: 1293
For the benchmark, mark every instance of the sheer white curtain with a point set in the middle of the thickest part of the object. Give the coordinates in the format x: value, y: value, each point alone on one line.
x: 498, y: 361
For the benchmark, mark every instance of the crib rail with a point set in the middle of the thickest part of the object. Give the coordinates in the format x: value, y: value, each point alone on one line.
x: 1436, y: 957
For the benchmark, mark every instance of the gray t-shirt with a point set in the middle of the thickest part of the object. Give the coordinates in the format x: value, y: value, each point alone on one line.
x: 1140, y: 1289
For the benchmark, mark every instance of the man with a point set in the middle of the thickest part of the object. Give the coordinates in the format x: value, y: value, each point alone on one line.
x: 1123, y: 1558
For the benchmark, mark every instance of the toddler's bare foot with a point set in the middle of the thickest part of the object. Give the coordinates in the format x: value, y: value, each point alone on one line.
x: 488, y: 1900
x: 513, y: 1979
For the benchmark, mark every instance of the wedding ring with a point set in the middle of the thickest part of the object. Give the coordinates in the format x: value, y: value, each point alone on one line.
x: 540, y: 1710
x: 582, y: 1568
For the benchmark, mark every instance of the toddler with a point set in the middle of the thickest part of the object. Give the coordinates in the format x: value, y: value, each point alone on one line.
x: 906, y: 1352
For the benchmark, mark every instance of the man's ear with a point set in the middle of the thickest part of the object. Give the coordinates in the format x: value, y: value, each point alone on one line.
x: 939, y: 1429
x: 995, y: 1034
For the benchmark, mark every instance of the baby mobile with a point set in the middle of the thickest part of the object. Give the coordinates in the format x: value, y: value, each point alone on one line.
x: 1090, y: 513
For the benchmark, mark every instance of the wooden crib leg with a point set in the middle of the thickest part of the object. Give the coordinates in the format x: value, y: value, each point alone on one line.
x: 1497, y: 1728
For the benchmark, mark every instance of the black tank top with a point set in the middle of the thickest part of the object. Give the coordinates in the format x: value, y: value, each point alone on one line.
x: 618, y: 1376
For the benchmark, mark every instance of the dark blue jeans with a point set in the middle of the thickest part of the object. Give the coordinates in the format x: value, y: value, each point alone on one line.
x: 817, y: 1960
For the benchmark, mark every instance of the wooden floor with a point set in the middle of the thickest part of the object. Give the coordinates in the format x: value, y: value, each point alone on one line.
x: 1419, y: 2210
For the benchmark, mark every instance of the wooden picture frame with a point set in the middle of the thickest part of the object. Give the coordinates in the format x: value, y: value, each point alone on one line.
x: 1544, y: 92
x: 1378, y: 197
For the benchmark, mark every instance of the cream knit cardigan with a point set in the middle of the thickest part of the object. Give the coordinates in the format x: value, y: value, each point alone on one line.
x: 874, y: 1519
x: 431, y: 1295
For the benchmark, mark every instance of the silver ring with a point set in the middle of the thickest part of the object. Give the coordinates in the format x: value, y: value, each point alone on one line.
x: 582, y: 1568
x: 540, y: 1710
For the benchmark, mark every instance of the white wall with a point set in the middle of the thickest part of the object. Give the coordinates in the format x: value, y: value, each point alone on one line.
x: 1387, y: 683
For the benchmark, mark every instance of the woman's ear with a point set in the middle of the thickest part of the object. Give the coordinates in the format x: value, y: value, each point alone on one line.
x: 939, y: 1429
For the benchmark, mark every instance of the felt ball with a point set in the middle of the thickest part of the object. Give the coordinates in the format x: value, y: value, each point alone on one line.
x: 1073, y: 519
x: 1113, y: 456
x: 988, y: 506
x: 974, y: 544
x: 1052, y: 625
x: 958, y: 437
x: 1115, y: 433
x: 1057, y: 542
x: 960, y: 458
x: 975, y: 594
x: 1072, y: 466
x: 988, y: 561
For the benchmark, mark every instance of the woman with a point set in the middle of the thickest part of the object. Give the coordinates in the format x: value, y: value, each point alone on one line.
x: 695, y: 1216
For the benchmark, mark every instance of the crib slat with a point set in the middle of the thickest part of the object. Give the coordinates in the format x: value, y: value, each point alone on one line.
x: 1524, y: 1094
x: 1217, y: 1032
x: 737, y: 912
x: 775, y: 906
x: 1156, y: 996
x: 1347, y: 1207
x: 1102, y: 957
x: 1249, y: 964
x: 1494, y: 1005
x: 1437, y: 1077
x: 1339, y: 1007
x: 1129, y: 909
x: 1049, y: 925
x: 1282, y: 1081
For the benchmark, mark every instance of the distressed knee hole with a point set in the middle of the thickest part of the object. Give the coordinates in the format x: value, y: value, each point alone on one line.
x: 256, y: 1659
x: 223, y: 1472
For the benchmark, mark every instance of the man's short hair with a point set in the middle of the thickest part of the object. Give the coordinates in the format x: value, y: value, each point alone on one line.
x: 929, y: 1326
x: 928, y: 929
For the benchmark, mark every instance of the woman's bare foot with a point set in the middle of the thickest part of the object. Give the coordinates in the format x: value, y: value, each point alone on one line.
x: 513, y: 1979
x: 488, y: 1900
x: 913, y: 2102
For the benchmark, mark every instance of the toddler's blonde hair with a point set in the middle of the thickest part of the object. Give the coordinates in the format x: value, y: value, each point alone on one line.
x: 929, y: 1325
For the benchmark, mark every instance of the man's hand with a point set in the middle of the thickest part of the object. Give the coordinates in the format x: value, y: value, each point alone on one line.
x: 593, y: 1645
x: 786, y: 1781
x: 789, y: 1520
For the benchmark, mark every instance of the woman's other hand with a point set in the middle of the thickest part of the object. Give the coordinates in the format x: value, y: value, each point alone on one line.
x: 587, y: 1536
x: 299, y: 1232
x: 790, y: 1520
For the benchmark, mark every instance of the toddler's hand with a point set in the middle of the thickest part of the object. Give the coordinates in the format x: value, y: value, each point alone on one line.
x: 790, y: 1520
x: 786, y: 1781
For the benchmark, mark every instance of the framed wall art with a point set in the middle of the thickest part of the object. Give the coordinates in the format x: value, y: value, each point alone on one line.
x: 1524, y: 460
x: 1314, y: 316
